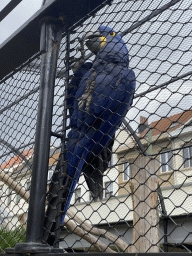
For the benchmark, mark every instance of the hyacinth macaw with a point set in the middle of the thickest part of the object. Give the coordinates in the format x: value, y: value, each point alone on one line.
x: 99, y: 97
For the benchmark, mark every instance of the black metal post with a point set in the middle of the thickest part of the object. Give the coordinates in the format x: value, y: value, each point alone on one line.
x: 165, y: 219
x: 51, y: 34
x: 63, y: 145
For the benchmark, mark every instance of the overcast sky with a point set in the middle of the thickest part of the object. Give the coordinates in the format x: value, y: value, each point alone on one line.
x: 17, y: 17
x: 159, y: 50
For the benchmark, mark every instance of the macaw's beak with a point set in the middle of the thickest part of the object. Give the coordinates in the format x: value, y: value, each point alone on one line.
x: 94, y: 41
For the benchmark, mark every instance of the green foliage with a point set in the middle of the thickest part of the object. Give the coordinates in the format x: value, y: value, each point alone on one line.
x: 8, y: 239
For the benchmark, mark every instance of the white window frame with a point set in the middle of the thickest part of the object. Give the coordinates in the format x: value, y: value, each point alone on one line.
x: 111, y: 161
x: 77, y: 194
x: 28, y: 185
x: 187, y: 156
x: 166, y: 161
x: 126, y: 171
x: 108, y: 189
x: 50, y: 174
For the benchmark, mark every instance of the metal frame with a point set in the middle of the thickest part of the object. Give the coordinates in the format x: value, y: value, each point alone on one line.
x: 8, y: 8
x: 51, y: 27
x: 15, y: 51
x: 51, y: 35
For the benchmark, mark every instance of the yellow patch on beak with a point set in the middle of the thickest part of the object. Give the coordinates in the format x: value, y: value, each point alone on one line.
x: 103, y: 40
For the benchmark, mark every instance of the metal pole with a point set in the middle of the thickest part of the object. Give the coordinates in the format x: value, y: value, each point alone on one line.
x: 51, y: 34
x: 63, y: 146
x: 165, y: 219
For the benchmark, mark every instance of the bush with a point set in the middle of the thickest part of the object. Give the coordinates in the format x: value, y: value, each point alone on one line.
x: 8, y: 239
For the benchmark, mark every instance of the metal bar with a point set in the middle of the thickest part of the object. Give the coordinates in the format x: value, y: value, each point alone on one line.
x: 16, y: 152
x: 8, y: 8
x: 21, y: 50
x: 43, y: 2
x: 164, y: 212
x: 51, y: 35
x: 63, y: 144
x: 172, y: 80
x: 133, y: 27
x: 20, y: 99
x: 125, y: 32
x: 57, y: 135
x: 12, y: 150
x: 36, y: 55
x: 149, y: 17
x: 165, y: 220
x: 143, y: 150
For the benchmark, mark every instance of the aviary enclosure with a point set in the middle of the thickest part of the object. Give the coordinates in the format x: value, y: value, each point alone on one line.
x: 144, y: 205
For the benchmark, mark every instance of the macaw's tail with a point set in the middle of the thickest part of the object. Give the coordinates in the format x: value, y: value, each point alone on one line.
x: 56, y: 187
x: 61, y: 184
x: 94, y: 169
x: 64, y: 185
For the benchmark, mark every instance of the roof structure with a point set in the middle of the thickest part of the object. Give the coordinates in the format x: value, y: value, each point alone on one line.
x: 17, y: 160
x: 168, y: 124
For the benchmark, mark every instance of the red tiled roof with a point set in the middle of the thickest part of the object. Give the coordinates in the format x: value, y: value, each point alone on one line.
x: 16, y: 160
x: 166, y: 124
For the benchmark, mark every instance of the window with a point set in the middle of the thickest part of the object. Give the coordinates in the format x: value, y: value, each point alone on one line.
x: 50, y: 174
x: 166, y: 161
x: 28, y: 185
x: 187, y: 156
x: 126, y: 171
x: 77, y: 195
x: 111, y: 161
x: 173, y: 125
x: 108, y: 189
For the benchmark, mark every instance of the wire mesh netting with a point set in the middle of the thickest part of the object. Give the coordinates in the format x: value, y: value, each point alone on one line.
x: 135, y: 184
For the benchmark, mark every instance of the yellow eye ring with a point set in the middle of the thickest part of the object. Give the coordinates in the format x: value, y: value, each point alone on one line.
x: 112, y: 33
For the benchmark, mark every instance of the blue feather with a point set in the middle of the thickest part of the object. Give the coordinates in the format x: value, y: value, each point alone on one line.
x: 94, y: 121
x: 99, y: 97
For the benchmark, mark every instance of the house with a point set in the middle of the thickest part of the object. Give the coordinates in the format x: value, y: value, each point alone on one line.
x: 168, y: 140
x: 19, y: 170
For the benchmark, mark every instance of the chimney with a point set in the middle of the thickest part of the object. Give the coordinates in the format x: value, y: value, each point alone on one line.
x: 143, y: 124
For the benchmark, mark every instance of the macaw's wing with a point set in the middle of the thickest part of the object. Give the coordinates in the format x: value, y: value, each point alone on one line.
x: 94, y: 168
x: 101, y: 103
x: 74, y: 85
x: 111, y: 102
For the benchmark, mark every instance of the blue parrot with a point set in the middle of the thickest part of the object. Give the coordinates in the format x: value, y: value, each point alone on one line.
x: 99, y: 97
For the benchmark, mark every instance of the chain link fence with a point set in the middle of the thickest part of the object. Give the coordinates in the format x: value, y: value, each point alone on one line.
x: 147, y: 182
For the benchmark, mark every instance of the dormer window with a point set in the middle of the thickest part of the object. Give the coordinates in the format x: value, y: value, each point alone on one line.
x: 173, y: 125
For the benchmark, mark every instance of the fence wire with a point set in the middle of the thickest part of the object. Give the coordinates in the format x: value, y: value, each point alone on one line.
x: 147, y: 180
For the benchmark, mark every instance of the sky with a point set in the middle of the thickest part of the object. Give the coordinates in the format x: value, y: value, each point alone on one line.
x: 159, y: 50
x: 17, y: 17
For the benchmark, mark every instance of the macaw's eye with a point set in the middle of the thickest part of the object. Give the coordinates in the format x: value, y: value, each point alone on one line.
x: 112, y: 33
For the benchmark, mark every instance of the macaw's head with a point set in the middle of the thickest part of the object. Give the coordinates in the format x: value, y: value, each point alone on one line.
x: 108, y: 45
